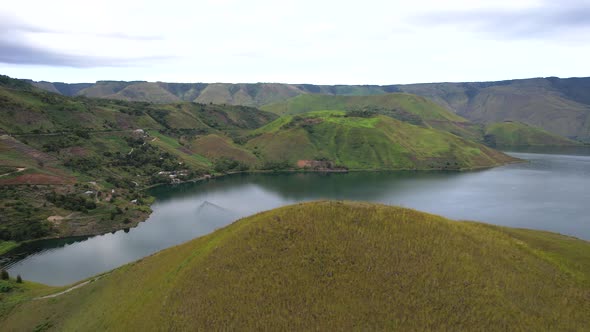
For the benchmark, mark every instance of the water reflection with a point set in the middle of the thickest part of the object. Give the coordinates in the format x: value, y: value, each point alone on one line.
x: 550, y: 192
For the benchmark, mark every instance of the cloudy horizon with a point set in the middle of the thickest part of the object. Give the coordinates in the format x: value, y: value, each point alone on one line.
x: 332, y: 42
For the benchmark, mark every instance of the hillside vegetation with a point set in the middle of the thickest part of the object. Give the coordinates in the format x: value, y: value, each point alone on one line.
x: 371, y: 141
x: 78, y: 165
x: 334, y: 266
x: 511, y: 133
x: 560, y: 106
x: 404, y: 107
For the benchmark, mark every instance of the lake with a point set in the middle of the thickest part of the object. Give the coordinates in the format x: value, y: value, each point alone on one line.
x: 550, y: 192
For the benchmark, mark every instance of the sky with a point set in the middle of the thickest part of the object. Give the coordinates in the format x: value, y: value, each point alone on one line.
x: 303, y: 41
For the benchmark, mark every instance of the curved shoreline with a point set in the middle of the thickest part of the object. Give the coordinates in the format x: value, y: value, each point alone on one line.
x: 207, y: 177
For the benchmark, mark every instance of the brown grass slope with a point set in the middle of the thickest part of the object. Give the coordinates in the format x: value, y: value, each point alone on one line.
x: 560, y: 106
x: 337, y: 266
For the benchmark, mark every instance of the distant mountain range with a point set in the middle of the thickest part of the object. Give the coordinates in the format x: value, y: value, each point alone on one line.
x: 560, y: 106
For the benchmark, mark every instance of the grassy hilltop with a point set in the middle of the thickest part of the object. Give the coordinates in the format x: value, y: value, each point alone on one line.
x: 332, y: 265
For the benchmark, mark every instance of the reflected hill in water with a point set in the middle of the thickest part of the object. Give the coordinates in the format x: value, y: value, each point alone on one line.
x: 35, y: 247
x: 364, y: 186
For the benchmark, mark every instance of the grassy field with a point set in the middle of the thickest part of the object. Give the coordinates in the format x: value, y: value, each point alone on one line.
x: 337, y: 266
x: 520, y: 134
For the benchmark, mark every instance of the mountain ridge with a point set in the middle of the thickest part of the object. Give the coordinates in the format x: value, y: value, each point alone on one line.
x: 558, y: 105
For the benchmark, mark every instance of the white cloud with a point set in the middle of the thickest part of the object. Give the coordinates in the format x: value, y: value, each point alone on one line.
x: 327, y: 42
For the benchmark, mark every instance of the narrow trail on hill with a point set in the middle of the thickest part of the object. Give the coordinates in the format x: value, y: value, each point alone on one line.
x: 19, y: 169
x: 68, y: 290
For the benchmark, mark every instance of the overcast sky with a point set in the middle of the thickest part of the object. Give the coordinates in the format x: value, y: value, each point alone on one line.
x: 303, y: 41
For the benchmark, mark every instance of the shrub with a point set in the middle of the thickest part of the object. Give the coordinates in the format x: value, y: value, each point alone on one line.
x: 19, y: 280
x: 4, y: 275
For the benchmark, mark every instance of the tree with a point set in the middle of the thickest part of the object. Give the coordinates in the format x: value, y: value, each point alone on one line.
x: 4, y: 275
x: 19, y: 280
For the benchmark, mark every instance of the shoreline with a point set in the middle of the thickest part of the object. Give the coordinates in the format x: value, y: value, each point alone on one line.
x: 136, y: 223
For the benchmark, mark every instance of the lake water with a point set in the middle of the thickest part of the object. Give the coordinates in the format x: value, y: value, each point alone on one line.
x: 550, y: 192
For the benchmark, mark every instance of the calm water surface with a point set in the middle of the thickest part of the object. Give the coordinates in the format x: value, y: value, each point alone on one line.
x: 550, y: 192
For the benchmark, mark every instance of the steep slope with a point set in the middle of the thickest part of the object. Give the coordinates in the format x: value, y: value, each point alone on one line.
x: 246, y: 94
x: 410, y: 103
x: 144, y: 91
x: 335, y: 266
x: 511, y: 133
x: 215, y: 147
x: 561, y: 106
x: 66, y: 89
x: 76, y: 166
x: 402, y: 106
x: 31, y: 111
x: 105, y: 89
x: 372, y: 142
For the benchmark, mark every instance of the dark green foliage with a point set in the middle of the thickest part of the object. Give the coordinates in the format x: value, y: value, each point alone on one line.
x: 83, y: 164
x: 6, y: 286
x: 19, y: 280
x: 362, y: 113
x: 489, y: 140
x: 13, y: 83
x: 19, y: 217
x: 120, y: 182
x: 226, y: 164
x: 56, y: 143
x: 24, y: 229
x: 179, y: 132
x: 272, y: 165
x: 82, y: 133
x: 396, y: 113
x: 4, y: 275
x: 160, y: 116
x: 72, y: 202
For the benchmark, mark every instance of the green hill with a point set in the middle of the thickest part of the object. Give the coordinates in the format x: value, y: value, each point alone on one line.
x: 560, y: 106
x: 401, y: 106
x: 511, y: 133
x: 62, y: 158
x: 372, y: 142
x: 76, y: 166
x: 332, y: 266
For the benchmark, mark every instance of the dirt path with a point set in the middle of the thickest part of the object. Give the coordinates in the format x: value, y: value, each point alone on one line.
x: 18, y: 170
x: 67, y: 290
